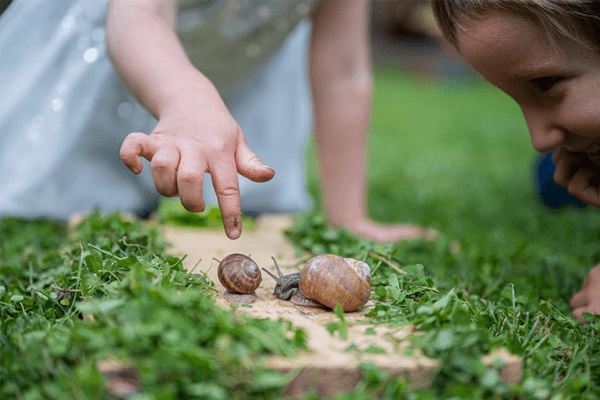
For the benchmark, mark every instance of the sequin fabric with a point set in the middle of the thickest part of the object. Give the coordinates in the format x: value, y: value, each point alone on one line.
x: 64, y: 111
x: 64, y: 114
x: 228, y: 39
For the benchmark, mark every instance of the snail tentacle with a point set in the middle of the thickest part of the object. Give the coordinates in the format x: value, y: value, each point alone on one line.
x: 271, y: 275
x: 277, y: 266
x: 287, y: 285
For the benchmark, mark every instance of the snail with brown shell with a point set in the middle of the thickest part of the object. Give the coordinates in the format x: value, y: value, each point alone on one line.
x: 240, y: 275
x: 326, y: 280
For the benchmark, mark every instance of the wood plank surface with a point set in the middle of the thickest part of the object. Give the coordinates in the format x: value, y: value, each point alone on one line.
x: 327, y: 369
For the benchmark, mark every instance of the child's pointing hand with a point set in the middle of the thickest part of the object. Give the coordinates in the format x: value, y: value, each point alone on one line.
x: 194, y: 137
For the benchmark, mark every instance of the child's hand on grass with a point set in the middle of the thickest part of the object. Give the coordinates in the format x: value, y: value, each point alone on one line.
x: 196, y: 134
x: 587, y: 300
x: 579, y: 174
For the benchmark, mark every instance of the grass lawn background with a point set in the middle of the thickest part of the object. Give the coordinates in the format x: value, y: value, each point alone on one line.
x: 458, y: 160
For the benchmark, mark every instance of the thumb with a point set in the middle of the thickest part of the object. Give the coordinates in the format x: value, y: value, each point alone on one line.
x: 137, y: 144
x: 250, y: 166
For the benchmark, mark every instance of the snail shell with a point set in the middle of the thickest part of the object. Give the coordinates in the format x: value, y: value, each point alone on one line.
x: 287, y: 288
x: 240, y: 275
x: 326, y: 280
x: 330, y: 279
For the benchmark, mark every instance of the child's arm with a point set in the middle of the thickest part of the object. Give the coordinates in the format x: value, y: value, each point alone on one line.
x: 340, y: 75
x: 195, y: 131
x: 577, y: 173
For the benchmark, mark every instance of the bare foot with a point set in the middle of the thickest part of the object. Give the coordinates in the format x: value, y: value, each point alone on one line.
x: 381, y: 233
x: 587, y: 300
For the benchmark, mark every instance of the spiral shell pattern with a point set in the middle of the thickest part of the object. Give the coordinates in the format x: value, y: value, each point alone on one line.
x: 331, y: 279
x: 239, y: 274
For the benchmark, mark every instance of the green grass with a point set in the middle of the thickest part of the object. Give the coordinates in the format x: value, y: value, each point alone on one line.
x: 468, y: 173
x: 456, y: 160
x: 461, y: 161
x: 107, y: 292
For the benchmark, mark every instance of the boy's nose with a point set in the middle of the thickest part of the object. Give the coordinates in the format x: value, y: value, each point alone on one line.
x: 545, y: 135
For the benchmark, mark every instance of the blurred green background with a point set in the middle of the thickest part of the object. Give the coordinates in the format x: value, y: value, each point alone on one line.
x: 456, y: 155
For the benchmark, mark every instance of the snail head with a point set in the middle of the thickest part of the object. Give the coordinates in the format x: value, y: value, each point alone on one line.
x: 287, y: 285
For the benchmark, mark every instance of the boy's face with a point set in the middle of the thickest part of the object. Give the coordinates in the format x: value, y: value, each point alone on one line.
x: 558, y: 91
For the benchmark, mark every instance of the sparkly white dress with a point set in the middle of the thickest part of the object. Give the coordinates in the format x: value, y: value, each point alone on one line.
x: 64, y: 111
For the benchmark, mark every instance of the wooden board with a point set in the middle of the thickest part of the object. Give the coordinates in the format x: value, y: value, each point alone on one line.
x: 327, y: 368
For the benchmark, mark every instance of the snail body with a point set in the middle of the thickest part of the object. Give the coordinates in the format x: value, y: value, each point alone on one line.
x: 288, y: 288
x: 240, y: 275
x: 326, y: 280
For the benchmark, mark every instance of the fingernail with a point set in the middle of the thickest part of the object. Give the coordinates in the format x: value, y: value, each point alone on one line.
x: 135, y: 170
x: 233, y: 226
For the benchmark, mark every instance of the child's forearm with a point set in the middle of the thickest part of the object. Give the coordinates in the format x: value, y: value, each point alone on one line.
x: 195, y: 133
x: 142, y: 43
x: 341, y: 86
x: 341, y: 126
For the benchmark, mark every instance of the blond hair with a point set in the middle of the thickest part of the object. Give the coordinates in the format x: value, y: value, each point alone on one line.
x: 560, y: 20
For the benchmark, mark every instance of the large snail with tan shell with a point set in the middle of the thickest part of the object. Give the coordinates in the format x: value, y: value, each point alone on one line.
x: 240, y: 275
x: 326, y: 280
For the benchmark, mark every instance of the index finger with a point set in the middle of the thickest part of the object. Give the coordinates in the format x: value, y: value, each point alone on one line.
x: 225, y: 181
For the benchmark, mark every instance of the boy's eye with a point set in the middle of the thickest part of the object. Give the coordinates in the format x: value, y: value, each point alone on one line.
x: 545, y: 83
